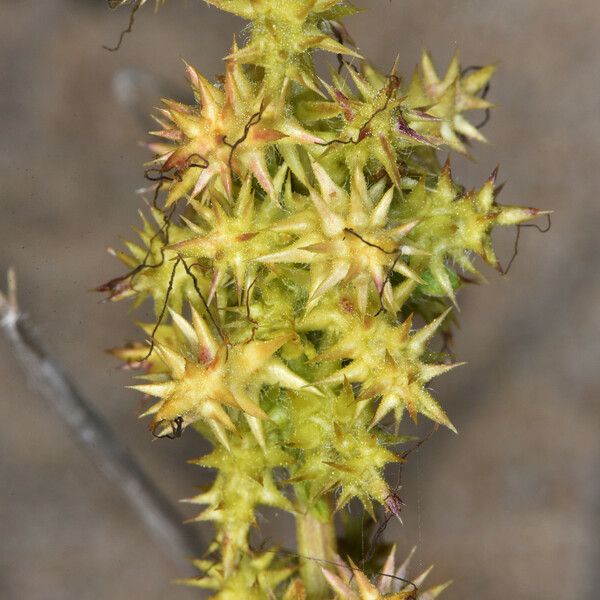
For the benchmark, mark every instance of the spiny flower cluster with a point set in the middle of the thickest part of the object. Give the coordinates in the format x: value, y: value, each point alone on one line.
x: 350, y: 583
x: 306, y: 226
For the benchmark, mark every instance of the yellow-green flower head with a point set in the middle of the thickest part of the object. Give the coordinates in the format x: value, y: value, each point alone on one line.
x: 197, y: 136
x: 244, y: 481
x: 388, y: 361
x: 229, y: 133
x: 152, y: 267
x: 207, y: 376
x: 283, y: 35
x: 345, y: 238
x: 448, y: 98
x: 348, y: 582
x: 230, y: 239
x: 380, y: 118
x: 254, y: 578
x: 376, y: 122
x: 452, y: 225
x: 338, y: 453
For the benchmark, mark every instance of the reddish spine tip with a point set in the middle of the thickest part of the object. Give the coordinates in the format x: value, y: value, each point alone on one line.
x: 494, y: 175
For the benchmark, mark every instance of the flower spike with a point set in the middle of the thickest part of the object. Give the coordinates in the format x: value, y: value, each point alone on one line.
x: 319, y: 241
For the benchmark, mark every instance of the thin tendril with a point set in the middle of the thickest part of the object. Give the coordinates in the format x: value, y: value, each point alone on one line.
x: 162, y: 312
x: 159, y: 177
x: 177, y: 171
x: 188, y: 164
x: 385, y: 282
x: 364, y: 241
x: 484, y: 93
x: 188, y: 269
x: 129, y: 28
x: 340, y: 57
x: 253, y: 120
x: 143, y: 265
x: 518, y: 236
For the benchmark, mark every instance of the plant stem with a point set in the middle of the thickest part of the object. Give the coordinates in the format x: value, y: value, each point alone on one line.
x: 316, y: 543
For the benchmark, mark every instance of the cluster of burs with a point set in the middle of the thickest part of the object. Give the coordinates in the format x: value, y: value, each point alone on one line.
x: 303, y: 246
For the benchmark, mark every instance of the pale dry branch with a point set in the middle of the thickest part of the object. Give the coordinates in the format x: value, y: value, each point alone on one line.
x: 95, y: 436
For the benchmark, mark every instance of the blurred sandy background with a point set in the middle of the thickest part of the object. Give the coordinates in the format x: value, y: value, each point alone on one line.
x: 508, y: 509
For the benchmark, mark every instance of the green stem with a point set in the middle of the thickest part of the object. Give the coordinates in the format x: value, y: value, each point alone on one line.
x: 316, y: 543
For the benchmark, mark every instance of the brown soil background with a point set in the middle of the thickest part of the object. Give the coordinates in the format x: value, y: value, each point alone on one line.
x: 510, y: 507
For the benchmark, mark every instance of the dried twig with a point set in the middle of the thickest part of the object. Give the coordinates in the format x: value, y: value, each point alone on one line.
x: 47, y: 377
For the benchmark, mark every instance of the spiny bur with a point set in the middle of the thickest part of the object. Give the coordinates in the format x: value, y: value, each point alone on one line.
x: 303, y: 258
